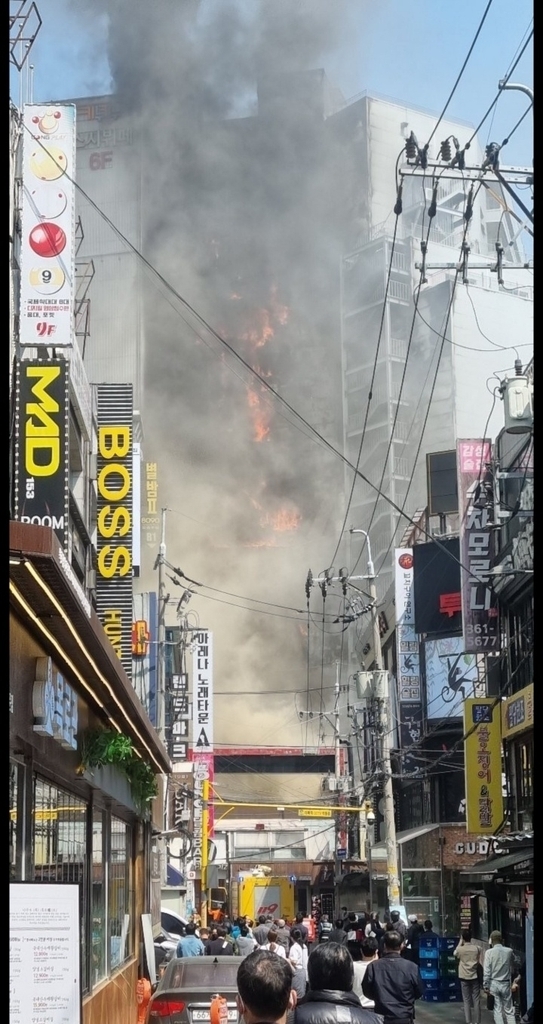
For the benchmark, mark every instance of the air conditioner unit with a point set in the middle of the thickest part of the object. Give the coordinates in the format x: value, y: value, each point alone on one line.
x: 331, y: 783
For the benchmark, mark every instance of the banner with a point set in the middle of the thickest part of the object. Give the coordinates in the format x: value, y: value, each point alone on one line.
x: 202, y: 736
x: 42, y: 445
x: 114, y: 585
x: 451, y: 676
x: 477, y: 546
x: 48, y: 225
x: 483, y: 766
x: 408, y: 658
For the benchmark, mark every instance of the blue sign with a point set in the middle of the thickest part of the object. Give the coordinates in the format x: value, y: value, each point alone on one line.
x: 342, y: 852
x: 292, y: 878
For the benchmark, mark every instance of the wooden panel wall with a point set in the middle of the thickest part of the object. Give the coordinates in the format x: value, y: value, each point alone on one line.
x: 115, y: 1002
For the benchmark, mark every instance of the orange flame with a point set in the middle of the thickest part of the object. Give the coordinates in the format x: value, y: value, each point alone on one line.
x: 260, y: 415
x: 282, y: 521
x: 258, y: 335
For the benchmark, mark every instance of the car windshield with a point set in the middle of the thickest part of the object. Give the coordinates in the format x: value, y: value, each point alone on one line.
x: 203, y: 974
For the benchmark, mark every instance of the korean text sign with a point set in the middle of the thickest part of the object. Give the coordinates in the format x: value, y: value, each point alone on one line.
x: 477, y: 547
x: 483, y: 765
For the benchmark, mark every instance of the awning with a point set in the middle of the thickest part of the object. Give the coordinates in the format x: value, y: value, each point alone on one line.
x: 47, y: 597
x: 379, y: 851
x: 501, y: 862
x: 175, y: 877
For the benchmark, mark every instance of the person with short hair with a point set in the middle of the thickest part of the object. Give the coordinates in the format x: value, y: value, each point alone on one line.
x: 265, y: 993
x: 338, y: 933
x: 468, y: 956
x: 246, y: 943
x: 298, y: 956
x: 260, y: 933
x: 393, y: 983
x: 429, y: 930
x: 219, y: 946
x: 498, y: 974
x: 190, y: 944
x: 399, y: 925
x: 369, y: 948
x: 330, y: 997
x: 299, y: 924
x: 273, y: 945
x: 325, y: 927
x: 283, y: 934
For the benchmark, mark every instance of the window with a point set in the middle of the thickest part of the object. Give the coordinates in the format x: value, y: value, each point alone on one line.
x: 59, y: 845
x: 119, y: 892
x: 16, y: 820
x: 98, y: 898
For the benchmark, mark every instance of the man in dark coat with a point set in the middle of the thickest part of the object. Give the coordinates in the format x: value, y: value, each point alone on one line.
x: 393, y: 983
x: 330, y: 997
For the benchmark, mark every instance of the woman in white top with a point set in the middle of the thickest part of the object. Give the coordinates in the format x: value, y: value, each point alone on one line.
x: 298, y: 956
x: 274, y: 946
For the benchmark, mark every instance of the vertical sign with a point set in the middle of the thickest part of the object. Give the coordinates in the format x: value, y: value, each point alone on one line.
x: 477, y: 547
x: 150, y: 519
x: 483, y: 765
x: 177, y: 729
x: 114, y: 520
x: 202, y: 734
x: 408, y: 658
x: 42, y: 444
x: 48, y: 225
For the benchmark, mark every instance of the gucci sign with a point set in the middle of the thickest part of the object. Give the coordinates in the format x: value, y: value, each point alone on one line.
x: 481, y: 848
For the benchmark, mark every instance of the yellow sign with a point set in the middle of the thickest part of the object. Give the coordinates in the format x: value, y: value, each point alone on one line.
x: 483, y: 765
x: 518, y: 712
x: 315, y: 812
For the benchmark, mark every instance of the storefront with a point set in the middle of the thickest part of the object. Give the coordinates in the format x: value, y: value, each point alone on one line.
x: 69, y: 823
x: 500, y: 890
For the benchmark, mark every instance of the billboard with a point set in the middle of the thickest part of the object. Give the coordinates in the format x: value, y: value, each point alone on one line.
x: 48, y: 225
x: 202, y: 735
x: 145, y: 650
x: 42, y: 444
x: 438, y: 604
x: 477, y: 546
x: 451, y: 675
x: 408, y: 657
x: 114, y: 584
x: 483, y: 765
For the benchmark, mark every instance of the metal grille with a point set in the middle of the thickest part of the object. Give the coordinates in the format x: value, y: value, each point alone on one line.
x: 59, y: 834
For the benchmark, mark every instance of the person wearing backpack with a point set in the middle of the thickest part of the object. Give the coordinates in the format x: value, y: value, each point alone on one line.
x: 325, y: 928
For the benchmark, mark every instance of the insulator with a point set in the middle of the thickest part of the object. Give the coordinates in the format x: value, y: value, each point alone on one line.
x: 445, y: 152
x: 411, y: 147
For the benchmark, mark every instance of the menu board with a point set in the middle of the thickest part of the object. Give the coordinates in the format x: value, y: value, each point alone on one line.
x: 45, y: 965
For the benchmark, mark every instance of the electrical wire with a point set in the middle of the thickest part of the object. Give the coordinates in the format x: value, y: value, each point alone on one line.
x: 504, y: 82
x: 461, y: 72
x: 372, y: 381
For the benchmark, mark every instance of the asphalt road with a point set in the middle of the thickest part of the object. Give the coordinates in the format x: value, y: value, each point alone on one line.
x: 447, y: 1013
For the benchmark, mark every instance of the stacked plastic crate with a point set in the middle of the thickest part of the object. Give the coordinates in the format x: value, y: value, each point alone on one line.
x: 439, y: 969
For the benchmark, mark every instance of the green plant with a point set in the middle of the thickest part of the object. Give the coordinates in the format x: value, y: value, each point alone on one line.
x: 105, y: 746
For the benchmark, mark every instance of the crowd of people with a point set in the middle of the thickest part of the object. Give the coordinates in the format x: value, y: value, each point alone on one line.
x: 299, y: 971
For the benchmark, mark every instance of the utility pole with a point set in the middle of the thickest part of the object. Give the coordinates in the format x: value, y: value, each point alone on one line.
x: 161, y: 680
x: 337, y: 766
x: 382, y: 697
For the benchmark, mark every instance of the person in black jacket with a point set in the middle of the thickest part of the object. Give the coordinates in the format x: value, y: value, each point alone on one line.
x: 338, y: 933
x: 331, y: 974
x: 393, y: 983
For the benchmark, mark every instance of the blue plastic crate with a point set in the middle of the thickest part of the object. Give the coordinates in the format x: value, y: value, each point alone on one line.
x: 449, y: 985
x: 432, y: 997
x: 431, y: 986
x: 429, y: 975
x: 431, y: 953
x: 448, y: 944
x: 428, y: 964
x: 428, y: 942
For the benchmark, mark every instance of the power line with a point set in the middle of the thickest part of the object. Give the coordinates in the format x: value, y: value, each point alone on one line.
x: 461, y: 72
x: 495, y: 100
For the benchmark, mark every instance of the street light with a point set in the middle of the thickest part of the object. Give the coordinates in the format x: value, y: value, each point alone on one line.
x: 370, y: 821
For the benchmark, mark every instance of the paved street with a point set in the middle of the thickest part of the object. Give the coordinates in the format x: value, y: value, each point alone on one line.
x: 446, y: 1013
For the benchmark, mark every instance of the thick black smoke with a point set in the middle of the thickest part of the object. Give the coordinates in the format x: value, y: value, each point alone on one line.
x: 246, y: 216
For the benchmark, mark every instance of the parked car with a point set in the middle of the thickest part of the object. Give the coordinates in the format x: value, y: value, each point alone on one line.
x: 172, y: 923
x: 184, y: 993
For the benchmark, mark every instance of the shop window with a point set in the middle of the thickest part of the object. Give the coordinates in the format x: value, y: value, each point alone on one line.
x: 98, y: 898
x: 16, y: 821
x: 59, y: 845
x: 119, y: 892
